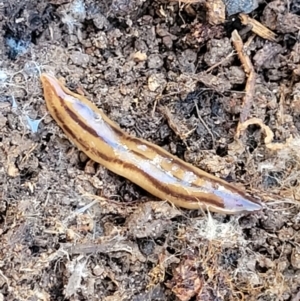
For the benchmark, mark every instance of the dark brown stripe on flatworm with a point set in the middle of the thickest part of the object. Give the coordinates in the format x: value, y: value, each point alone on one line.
x: 155, y: 149
x: 120, y: 133
x: 182, y: 165
x: 133, y: 168
x: 91, y: 130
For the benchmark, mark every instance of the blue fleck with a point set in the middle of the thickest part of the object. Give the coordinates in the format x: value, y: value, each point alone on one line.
x: 16, y: 47
x: 33, y: 124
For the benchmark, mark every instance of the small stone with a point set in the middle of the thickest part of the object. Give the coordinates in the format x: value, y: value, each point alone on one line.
x: 167, y: 41
x: 79, y: 58
x: 235, y: 75
x: 157, y: 82
x: 12, y: 171
x: 100, y: 21
x: 155, y: 61
x: 240, y: 6
x: 98, y: 271
x: 153, y: 84
x: 100, y: 40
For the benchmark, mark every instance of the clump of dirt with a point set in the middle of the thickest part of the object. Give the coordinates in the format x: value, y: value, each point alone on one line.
x: 72, y: 230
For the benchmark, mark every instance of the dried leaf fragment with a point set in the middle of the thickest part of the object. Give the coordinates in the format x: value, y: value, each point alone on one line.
x: 176, y: 124
x: 157, y: 274
x: 258, y: 28
x: 186, y: 282
x: 12, y: 171
x: 215, y: 11
x: 139, y: 56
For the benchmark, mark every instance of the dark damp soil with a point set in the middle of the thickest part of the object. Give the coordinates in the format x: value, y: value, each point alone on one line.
x: 72, y: 230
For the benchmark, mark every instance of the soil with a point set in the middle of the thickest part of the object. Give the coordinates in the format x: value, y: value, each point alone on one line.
x: 72, y: 230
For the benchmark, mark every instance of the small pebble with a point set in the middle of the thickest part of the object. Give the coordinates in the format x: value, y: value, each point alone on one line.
x: 155, y: 61
x: 240, y: 6
x: 100, y: 21
x: 79, y: 58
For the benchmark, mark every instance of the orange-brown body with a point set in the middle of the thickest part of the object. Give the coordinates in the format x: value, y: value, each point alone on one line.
x: 145, y: 164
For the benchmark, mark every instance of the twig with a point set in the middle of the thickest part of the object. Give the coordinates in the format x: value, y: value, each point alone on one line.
x: 160, y: 97
x: 221, y: 62
x: 174, y: 123
x: 204, y: 124
x: 250, y: 84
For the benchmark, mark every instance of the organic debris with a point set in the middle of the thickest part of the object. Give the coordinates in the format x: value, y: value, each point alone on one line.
x: 220, y: 92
